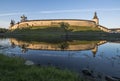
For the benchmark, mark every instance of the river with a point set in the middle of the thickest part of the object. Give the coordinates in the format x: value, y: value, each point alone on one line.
x: 101, y: 56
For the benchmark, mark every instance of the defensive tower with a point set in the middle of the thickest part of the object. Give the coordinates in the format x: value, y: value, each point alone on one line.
x: 96, y: 19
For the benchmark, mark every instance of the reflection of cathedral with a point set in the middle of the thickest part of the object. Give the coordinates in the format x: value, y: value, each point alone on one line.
x: 93, y: 46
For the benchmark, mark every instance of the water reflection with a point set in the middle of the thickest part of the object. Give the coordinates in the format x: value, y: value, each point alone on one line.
x: 98, y: 56
x: 66, y: 45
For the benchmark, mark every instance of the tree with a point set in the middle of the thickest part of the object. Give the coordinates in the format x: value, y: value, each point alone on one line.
x: 3, y: 30
x: 23, y: 18
x: 12, y: 23
x: 65, y: 27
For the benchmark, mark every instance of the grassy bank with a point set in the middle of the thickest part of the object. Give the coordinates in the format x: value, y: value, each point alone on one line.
x: 51, y: 33
x: 13, y: 69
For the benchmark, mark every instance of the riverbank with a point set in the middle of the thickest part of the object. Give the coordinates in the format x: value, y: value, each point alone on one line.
x: 49, y: 33
x: 53, y: 33
x: 56, y: 38
x: 17, y: 69
x: 14, y: 69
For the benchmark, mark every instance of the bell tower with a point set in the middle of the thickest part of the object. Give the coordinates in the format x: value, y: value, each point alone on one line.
x: 96, y: 19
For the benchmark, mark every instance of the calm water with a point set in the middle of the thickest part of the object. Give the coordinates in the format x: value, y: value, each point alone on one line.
x: 99, y: 56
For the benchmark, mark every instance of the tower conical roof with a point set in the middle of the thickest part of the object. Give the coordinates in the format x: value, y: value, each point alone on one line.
x: 95, y: 16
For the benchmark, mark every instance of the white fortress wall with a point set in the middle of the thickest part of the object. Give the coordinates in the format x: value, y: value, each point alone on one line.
x: 54, y: 22
x: 103, y: 28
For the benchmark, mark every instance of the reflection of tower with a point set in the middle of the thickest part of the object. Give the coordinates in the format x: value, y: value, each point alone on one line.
x: 94, y: 50
x: 95, y: 18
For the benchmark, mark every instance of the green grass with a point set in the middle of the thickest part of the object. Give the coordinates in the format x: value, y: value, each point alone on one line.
x: 74, y: 28
x: 13, y: 69
x: 84, y: 28
x: 57, y: 34
x: 55, y: 29
x: 51, y: 32
x: 76, y: 42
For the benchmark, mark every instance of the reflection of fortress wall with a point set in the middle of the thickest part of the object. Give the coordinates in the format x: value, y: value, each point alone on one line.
x: 81, y: 47
x: 43, y: 46
x: 54, y: 22
x: 101, y: 42
x: 95, y: 49
x: 53, y: 47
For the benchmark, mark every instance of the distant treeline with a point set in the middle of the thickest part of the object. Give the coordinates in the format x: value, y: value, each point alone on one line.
x: 3, y: 30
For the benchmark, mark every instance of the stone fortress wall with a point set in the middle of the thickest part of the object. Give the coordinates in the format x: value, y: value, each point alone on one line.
x: 55, y: 22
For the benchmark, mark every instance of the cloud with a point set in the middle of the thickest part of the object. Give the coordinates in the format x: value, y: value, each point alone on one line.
x: 61, y: 11
x: 9, y: 14
x: 67, y: 11
x: 112, y: 9
x: 12, y: 13
x: 79, y: 10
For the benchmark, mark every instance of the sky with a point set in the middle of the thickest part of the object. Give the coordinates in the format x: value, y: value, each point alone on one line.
x: 108, y: 11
